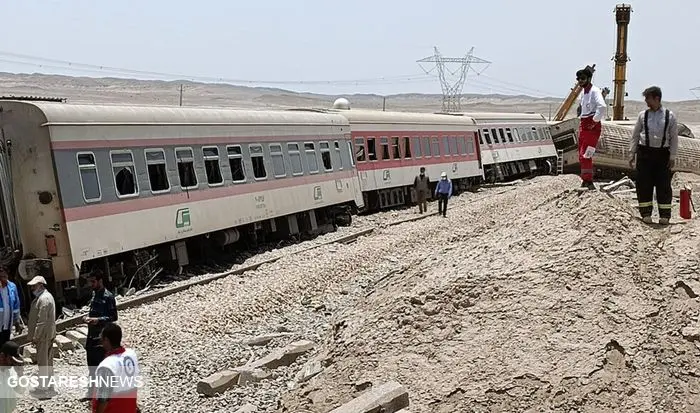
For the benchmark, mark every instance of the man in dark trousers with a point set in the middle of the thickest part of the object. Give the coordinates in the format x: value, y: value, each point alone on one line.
x: 654, y: 145
x: 422, y: 186
x: 103, y: 310
x: 443, y: 192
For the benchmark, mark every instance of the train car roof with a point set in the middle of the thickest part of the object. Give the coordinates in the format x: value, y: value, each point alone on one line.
x: 490, y: 117
x: 76, y: 114
x: 370, y: 116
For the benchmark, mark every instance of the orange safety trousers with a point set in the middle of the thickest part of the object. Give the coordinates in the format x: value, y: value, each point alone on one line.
x: 587, y: 137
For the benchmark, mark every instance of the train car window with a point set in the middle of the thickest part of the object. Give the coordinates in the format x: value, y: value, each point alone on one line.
x: 185, y: 168
x: 435, y: 149
x: 359, y: 150
x: 395, y: 148
x: 494, y: 135
x: 384, y: 142
x: 338, y: 156
x: 487, y: 136
x: 426, y: 147
x: 415, y: 141
x: 407, y: 147
x: 211, y: 165
x: 257, y: 158
x: 124, y: 172
x: 326, y: 156
x: 89, y: 178
x: 535, y: 134
x: 515, y: 134
x: 453, y: 145
x: 508, y: 134
x: 295, y: 159
x: 460, y: 145
x: 372, y: 149
x: 445, y: 146
x: 352, y: 159
x: 278, y: 168
x: 157, y: 170
x: 470, y: 146
x: 235, y: 162
x: 310, y: 150
x: 481, y: 138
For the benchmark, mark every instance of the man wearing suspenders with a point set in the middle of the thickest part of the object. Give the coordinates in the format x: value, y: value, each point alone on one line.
x: 654, y: 145
x: 117, y: 375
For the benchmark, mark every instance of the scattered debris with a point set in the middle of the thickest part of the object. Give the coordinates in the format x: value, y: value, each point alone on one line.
x: 387, y: 398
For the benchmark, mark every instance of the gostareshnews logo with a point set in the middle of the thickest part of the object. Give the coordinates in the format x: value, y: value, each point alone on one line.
x: 69, y: 382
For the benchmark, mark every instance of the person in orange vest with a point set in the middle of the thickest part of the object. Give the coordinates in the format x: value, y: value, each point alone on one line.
x: 591, y: 110
x: 117, y: 375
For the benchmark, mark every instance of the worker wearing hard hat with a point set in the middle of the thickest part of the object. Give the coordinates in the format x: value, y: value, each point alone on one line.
x: 591, y: 111
x: 443, y: 192
x: 654, y: 145
x: 41, y: 332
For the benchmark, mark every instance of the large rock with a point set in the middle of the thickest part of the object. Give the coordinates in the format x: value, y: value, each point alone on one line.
x: 63, y: 343
x: 264, y: 339
x: 387, y: 398
x: 77, y: 337
x: 284, y: 356
x: 218, y: 382
x: 247, y: 408
x: 82, y: 330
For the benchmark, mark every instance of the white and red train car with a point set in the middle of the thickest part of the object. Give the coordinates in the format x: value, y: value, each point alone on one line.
x: 514, y: 144
x: 117, y: 186
x: 391, y: 147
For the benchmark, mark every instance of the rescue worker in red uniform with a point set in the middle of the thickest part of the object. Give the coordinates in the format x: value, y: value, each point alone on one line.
x: 654, y: 145
x: 117, y: 375
x: 591, y: 111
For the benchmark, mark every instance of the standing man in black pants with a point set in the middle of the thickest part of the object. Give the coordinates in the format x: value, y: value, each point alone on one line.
x: 103, y: 310
x: 654, y: 145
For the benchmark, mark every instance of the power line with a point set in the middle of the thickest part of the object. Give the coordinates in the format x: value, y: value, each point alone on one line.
x: 425, y: 77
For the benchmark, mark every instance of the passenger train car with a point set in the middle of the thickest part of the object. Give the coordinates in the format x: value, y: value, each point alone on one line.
x: 391, y: 147
x: 106, y: 186
x: 514, y: 144
x: 612, y: 152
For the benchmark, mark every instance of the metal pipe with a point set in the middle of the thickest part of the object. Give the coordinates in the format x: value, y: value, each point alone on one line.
x: 622, y: 17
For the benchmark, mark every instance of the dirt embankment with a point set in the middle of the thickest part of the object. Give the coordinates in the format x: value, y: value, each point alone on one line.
x: 537, y: 299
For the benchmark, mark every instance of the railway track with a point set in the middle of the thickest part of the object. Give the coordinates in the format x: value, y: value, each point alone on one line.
x: 68, y: 323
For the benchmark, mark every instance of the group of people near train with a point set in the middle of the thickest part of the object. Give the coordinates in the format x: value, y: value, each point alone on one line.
x: 653, y: 146
x: 443, y: 191
x: 106, y: 356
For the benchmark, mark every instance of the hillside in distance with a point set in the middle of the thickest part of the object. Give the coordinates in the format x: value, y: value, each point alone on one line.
x: 167, y: 93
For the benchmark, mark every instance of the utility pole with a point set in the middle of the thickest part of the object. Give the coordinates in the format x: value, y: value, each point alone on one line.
x: 384, y: 104
x: 452, y: 91
x: 180, y: 94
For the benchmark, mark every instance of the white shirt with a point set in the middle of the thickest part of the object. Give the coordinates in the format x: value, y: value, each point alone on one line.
x: 7, y: 311
x: 593, y: 104
x: 8, y: 395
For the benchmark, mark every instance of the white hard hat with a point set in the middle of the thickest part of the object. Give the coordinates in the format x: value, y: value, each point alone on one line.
x: 443, y: 175
x: 37, y: 280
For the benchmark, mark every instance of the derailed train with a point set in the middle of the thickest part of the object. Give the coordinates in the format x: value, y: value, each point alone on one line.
x: 612, y: 152
x: 128, y: 188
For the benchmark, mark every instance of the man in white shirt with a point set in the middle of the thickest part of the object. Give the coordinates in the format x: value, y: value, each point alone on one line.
x: 591, y: 111
x: 10, y: 370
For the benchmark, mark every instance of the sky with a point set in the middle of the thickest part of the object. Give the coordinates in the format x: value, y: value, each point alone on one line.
x: 360, y: 46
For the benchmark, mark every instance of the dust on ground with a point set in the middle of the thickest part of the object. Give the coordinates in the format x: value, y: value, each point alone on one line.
x: 540, y: 298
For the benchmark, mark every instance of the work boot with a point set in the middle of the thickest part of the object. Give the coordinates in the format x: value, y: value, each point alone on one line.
x: 590, y: 185
x: 663, y: 221
x: 647, y: 220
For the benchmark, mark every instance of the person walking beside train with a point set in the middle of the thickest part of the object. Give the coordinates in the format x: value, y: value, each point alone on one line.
x: 9, y: 307
x: 422, y: 188
x: 103, y: 309
x: 41, y: 330
x: 591, y: 111
x: 654, y: 146
x: 443, y: 192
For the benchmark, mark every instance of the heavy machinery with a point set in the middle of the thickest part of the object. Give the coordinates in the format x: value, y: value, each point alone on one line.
x: 571, y: 99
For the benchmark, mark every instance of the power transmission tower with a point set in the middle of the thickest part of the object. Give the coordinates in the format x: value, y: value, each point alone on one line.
x: 452, y: 91
x: 696, y: 91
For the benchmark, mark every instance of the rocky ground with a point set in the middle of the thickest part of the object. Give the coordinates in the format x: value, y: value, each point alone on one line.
x: 531, y: 297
